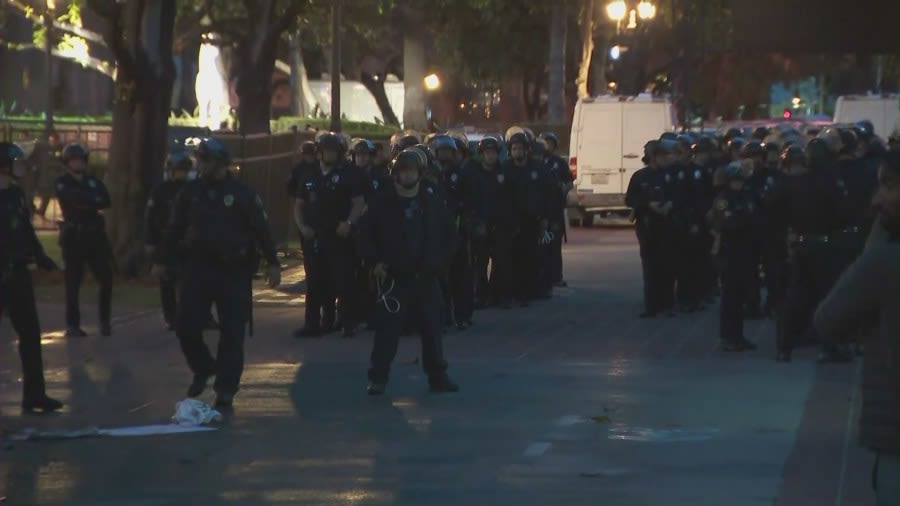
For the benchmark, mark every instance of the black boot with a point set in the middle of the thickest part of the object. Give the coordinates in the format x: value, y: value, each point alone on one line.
x: 41, y: 403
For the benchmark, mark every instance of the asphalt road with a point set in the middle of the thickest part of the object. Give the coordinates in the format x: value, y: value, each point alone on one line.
x: 573, y: 401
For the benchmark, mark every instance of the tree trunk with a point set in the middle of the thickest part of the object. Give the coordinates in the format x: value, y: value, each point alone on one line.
x: 376, y: 88
x: 587, y: 48
x: 255, y: 107
x: 303, y: 101
x: 143, y: 48
x: 556, y: 91
x: 413, y: 75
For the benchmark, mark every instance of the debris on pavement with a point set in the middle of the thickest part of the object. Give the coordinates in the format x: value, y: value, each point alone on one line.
x: 646, y: 435
x: 600, y: 419
x: 193, y: 412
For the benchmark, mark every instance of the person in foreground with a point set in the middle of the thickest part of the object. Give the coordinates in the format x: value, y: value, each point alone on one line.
x: 217, y: 225
x: 19, y: 246
x: 865, y: 300
x: 408, y: 238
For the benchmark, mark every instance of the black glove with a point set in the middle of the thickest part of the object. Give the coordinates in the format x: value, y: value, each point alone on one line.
x: 46, y: 263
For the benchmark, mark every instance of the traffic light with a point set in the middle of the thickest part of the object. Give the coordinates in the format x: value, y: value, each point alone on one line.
x: 786, y: 114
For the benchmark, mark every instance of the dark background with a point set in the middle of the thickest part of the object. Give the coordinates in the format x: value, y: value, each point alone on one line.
x: 817, y: 25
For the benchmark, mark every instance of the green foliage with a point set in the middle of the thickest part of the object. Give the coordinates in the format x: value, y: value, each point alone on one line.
x: 352, y: 128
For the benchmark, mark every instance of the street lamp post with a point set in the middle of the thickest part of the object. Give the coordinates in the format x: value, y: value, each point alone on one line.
x: 432, y: 83
x: 636, y: 13
x: 48, y: 53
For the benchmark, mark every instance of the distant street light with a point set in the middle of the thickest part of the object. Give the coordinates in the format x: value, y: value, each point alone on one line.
x: 617, y: 10
x: 646, y: 10
x: 615, y: 52
x: 432, y: 82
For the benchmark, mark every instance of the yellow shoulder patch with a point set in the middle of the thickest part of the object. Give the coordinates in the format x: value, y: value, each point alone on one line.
x: 721, y: 204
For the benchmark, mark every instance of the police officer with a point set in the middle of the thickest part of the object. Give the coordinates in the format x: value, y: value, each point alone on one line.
x: 690, y: 205
x: 704, y: 154
x: 18, y: 248
x: 329, y: 204
x: 646, y: 197
x: 82, y: 237
x: 535, y: 194
x: 768, y: 249
x: 499, y: 208
x: 306, y: 163
x: 156, y: 219
x: 460, y: 190
x: 408, y: 238
x: 218, y: 225
x: 860, y: 177
x: 732, y: 218
x: 559, y: 169
x: 808, y: 202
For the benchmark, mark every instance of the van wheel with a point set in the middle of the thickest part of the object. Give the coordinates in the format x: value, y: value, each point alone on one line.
x: 574, y: 222
x: 587, y: 220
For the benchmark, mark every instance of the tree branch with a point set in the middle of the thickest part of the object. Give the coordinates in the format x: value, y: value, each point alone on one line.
x: 101, y: 66
x: 57, y: 25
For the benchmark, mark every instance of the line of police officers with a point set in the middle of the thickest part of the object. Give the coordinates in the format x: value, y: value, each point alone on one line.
x: 720, y: 215
x: 497, y: 208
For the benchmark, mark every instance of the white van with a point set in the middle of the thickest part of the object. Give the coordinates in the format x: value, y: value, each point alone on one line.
x: 882, y: 110
x: 606, y: 147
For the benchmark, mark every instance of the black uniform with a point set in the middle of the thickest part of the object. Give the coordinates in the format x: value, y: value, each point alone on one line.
x: 327, y: 201
x: 19, y: 246
x: 646, y: 186
x: 83, y: 240
x: 535, y: 194
x: 461, y: 193
x: 156, y: 219
x: 771, y: 247
x: 808, y: 206
x: 498, y: 194
x: 215, y: 232
x: 376, y: 181
x: 415, y: 238
x: 733, y: 215
x: 690, y: 189
x: 559, y: 169
x: 860, y: 179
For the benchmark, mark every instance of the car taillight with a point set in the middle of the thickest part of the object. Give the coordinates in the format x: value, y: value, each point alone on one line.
x: 573, y: 166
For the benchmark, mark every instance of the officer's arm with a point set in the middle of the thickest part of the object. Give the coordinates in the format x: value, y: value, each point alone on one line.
x: 36, y: 247
x: 151, y: 227
x: 101, y: 196
x: 259, y: 223
x: 357, y: 195
x: 367, y: 242
x: 634, y: 197
x: 175, y: 230
x: 298, y: 212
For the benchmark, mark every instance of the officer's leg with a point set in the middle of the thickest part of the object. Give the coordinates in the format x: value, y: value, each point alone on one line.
x: 481, y: 254
x: 461, y: 284
x: 314, y: 289
x: 502, y: 267
x: 167, y: 299
x: 392, y: 317
x: 753, y: 285
x: 645, y: 250
x: 427, y: 294
x: 233, y: 301
x: 19, y: 294
x: 100, y: 263
x: 342, y: 263
x: 730, y: 310
x: 73, y: 258
x: 556, y: 261
x: 197, y: 289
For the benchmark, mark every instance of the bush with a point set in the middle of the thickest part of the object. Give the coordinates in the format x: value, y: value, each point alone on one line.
x: 351, y: 128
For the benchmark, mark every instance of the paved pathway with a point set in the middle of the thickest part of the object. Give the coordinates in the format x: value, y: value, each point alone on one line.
x: 573, y: 401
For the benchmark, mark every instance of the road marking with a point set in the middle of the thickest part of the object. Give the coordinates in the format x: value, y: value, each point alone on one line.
x: 536, y: 449
x: 848, y: 434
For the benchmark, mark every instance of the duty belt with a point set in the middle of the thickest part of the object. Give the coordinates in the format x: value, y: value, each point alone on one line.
x: 814, y: 238
x: 852, y: 230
